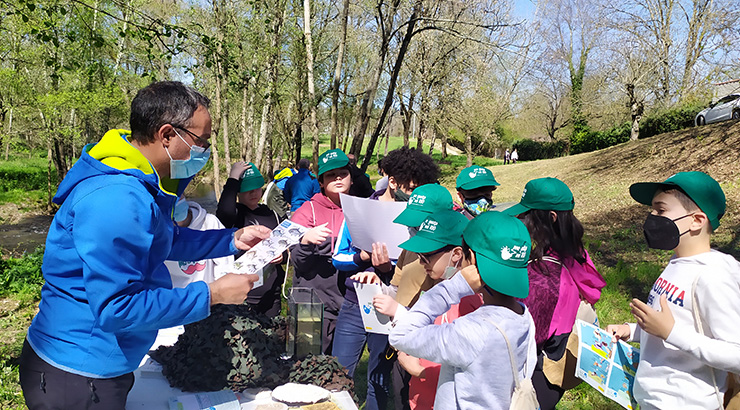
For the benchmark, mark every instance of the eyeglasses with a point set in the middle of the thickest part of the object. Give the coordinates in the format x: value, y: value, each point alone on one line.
x: 426, y: 258
x: 199, y: 141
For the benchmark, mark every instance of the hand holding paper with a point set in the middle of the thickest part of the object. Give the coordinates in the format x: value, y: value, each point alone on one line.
x: 366, y: 277
x: 385, y: 304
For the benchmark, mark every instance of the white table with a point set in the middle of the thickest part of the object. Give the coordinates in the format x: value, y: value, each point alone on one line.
x: 152, y: 391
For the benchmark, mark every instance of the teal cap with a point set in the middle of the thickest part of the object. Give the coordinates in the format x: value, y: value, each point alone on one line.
x: 501, y: 244
x: 332, y: 159
x: 547, y: 194
x: 424, y: 201
x: 438, y: 230
x: 252, y: 179
x: 475, y: 177
x: 700, y: 187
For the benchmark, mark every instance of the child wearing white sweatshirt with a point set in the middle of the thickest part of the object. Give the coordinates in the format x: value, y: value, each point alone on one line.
x: 682, y: 366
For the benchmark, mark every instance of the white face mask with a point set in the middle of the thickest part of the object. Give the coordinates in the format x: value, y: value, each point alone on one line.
x: 450, y: 271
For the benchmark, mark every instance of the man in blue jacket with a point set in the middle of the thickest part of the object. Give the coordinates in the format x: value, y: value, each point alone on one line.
x: 107, y: 290
x: 300, y: 187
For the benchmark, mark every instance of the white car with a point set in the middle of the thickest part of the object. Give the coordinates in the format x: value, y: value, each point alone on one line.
x: 724, y: 109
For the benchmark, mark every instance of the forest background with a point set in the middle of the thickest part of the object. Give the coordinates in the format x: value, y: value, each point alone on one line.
x: 481, y: 75
x: 551, y: 77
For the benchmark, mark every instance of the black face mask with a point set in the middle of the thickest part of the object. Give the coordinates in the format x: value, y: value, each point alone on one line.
x: 661, y: 232
x: 401, y: 196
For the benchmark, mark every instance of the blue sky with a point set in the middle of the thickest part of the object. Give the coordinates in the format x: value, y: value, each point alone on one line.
x: 524, y: 9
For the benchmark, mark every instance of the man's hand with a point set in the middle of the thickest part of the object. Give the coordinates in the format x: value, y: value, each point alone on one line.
x: 366, y: 277
x: 231, y: 289
x: 471, y: 275
x: 385, y: 305
x: 650, y: 320
x: 619, y: 332
x: 380, y: 259
x: 247, y: 237
x: 237, y: 170
x: 316, y: 235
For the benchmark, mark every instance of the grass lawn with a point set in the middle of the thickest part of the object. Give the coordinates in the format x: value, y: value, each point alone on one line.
x: 612, y: 221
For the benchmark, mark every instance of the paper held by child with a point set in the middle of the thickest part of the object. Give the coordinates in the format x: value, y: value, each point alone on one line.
x: 373, y: 321
x: 607, y: 366
x: 283, y: 236
x: 371, y: 221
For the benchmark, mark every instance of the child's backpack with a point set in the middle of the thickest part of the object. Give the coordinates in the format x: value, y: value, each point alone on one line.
x: 524, y: 397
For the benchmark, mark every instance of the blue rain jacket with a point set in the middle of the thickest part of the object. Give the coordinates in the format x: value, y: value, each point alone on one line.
x: 107, y: 291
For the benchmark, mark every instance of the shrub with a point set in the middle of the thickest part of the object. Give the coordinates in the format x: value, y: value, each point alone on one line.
x: 530, y: 150
x: 22, y: 276
x: 584, y: 139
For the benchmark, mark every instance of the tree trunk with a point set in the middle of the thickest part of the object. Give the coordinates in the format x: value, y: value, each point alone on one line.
x: 225, y: 131
x: 337, y: 77
x: 217, y: 123
x: 469, y: 147
x: 392, y: 86
x: 311, y: 88
x: 274, y: 60
x: 366, y: 106
x: 250, y: 143
x: 8, y: 133
x: 699, y: 26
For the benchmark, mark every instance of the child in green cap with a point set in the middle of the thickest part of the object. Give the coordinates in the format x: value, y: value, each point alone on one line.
x: 688, y: 329
x: 239, y: 206
x: 312, y: 257
x: 561, y: 275
x: 440, y: 255
x: 475, y: 186
x: 471, y: 349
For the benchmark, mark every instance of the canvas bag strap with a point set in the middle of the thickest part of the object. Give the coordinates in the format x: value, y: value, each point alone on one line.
x: 700, y: 328
x: 514, y: 365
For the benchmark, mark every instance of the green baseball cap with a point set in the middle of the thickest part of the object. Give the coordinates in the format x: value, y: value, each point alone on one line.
x: 475, y: 177
x: 548, y: 194
x: 700, y: 187
x: 501, y: 244
x: 438, y: 230
x: 332, y: 159
x: 252, y: 179
x: 424, y: 201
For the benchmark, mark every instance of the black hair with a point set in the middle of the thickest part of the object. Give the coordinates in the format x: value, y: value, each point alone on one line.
x: 564, y: 236
x: 303, y: 163
x: 160, y: 103
x: 408, y: 165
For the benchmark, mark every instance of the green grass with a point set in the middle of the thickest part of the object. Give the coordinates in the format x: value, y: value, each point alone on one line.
x: 24, y: 182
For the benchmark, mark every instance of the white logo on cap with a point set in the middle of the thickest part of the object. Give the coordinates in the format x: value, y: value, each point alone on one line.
x: 418, y: 199
x: 524, y: 193
x: 515, y: 252
x: 476, y: 172
x: 429, y: 226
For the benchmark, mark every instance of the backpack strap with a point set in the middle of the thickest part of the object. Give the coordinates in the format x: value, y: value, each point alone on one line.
x: 514, y: 364
x: 700, y: 329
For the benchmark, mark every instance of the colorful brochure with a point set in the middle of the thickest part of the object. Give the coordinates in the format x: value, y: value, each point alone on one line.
x: 607, y: 366
x: 373, y: 321
x: 282, y: 237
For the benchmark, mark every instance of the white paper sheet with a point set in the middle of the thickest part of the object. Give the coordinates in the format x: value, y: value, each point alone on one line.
x: 373, y: 321
x: 371, y: 221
